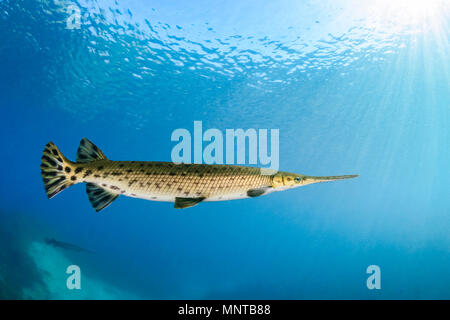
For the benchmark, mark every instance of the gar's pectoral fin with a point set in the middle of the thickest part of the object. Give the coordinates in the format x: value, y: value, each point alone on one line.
x: 181, y: 203
x: 257, y: 192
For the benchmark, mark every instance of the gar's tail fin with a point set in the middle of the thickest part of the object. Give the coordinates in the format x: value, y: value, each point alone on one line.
x: 58, y: 172
x: 55, y: 170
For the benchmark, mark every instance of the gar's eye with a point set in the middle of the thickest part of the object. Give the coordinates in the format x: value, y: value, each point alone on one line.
x: 298, y: 179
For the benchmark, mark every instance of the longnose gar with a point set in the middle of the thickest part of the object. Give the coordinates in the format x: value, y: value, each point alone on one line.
x: 185, y: 184
x: 65, y: 245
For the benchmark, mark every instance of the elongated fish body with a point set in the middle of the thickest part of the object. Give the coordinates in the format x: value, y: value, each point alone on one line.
x: 184, y: 184
x: 165, y: 181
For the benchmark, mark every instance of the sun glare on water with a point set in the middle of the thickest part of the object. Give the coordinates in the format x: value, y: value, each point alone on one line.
x: 416, y: 8
x: 409, y: 12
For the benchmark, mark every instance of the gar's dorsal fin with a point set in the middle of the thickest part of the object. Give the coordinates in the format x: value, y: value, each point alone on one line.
x: 87, y: 152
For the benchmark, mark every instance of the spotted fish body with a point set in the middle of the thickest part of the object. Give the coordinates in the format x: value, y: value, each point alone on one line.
x: 184, y: 184
x: 164, y: 181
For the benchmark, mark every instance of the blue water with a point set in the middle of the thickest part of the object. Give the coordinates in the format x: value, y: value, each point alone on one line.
x: 354, y: 88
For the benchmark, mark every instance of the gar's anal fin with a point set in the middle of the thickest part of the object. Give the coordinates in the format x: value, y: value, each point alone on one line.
x: 99, y: 197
